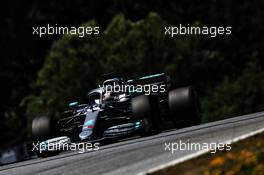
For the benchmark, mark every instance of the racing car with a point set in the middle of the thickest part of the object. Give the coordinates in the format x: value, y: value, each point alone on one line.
x: 119, y: 109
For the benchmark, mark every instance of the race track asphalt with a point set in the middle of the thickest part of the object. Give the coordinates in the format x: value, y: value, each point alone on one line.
x: 138, y: 155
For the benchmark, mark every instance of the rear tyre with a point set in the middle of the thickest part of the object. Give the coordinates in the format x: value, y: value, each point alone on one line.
x: 43, y: 128
x: 146, y: 108
x: 184, y: 107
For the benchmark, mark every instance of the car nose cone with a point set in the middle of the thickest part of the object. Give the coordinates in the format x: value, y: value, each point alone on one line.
x: 85, y: 134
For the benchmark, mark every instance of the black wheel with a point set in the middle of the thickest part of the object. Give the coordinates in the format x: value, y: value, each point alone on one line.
x: 146, y: 108
x: 43, y: 128
x: 184, y: 107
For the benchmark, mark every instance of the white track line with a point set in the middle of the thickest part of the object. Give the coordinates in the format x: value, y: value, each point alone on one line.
x: 198, y: 153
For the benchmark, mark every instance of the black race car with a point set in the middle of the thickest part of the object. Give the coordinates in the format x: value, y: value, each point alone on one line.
x: 119, y: 108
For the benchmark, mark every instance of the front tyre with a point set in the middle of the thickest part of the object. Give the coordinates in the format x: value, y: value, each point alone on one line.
x: 146, y: 108
x: 43, y: 128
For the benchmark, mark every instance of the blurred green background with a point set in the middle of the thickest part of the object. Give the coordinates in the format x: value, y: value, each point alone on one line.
x: 41, y: 75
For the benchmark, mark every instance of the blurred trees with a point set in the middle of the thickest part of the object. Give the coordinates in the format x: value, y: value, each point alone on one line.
x: 70, y: 68
x: 74, y: 65
x: 236, y: 95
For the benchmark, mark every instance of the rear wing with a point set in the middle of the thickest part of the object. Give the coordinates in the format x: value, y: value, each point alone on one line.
x: 156, y: 79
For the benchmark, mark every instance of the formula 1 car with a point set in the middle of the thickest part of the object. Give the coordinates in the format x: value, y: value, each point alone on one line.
x: 118, y: 109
